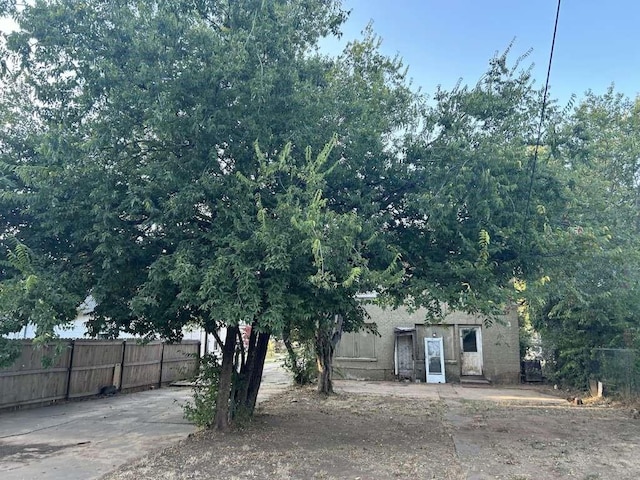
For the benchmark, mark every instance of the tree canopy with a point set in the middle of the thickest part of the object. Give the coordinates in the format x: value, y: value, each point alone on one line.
x: 586, y: 295
x: 190, y: 162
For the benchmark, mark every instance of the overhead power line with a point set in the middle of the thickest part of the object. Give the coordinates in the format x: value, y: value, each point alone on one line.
x: 542, y: 112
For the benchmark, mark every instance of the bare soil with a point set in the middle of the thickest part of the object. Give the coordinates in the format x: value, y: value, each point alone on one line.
x: 374, y: 435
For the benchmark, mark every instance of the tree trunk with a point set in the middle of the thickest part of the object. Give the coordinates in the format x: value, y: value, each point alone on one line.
x: 255, y: 378
x: 324, y: 358
x: 241, y: 389
x: 226, y: 375
x: 245, y: 392
x: 298, y: 374
x: 327, y: 338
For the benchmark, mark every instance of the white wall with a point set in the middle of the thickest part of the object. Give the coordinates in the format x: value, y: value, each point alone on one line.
x: 78, y: 329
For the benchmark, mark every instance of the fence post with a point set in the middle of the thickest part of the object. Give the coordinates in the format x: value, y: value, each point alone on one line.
x: 124, y: 347
x: 199, y: 357
x: 66, y: 395
x: 161, y: 365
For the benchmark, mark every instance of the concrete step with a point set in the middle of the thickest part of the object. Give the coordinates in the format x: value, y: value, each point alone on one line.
x: 474, y: 380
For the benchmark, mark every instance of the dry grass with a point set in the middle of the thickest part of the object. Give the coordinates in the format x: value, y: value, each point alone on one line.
x: 298, y: 435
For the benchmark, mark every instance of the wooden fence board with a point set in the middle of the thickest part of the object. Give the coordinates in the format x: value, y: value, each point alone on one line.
x: 141, y: 366
x: 180, y: 361
x: 93, y: 366
x: 82, y: 367
x: 27, y: 381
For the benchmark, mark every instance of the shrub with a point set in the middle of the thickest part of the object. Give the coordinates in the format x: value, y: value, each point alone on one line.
x: 202, y: 410
x: 301, y: 362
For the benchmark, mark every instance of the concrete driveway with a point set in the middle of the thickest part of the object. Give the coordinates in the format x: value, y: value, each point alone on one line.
x: 86, y: 439
x: 452, y: 392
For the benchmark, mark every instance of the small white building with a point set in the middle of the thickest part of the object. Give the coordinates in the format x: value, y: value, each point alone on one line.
x: 78, y: 329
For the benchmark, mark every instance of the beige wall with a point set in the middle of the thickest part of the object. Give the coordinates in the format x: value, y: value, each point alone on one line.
x: 501, y: 356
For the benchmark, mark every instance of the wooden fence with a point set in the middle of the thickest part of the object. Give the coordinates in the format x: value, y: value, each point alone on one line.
x: 81, y: 368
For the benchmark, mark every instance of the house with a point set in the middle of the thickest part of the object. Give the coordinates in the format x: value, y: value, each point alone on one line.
x: 77, y: 329
x: 459, y: 348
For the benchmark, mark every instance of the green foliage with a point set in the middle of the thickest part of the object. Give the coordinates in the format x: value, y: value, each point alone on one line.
x: 29, y: 296
x: 200, y: 163
x: 526, y: 335
x: 301, y: 362
x: 10, y: 350
x: 586, y: 294
x: 201, y: 410
x: 619, y: 370
x: 462, y: 224
x: 7, y: 7
x: 133, y: 171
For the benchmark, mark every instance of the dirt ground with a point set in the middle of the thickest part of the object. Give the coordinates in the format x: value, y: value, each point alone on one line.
x: 384, y: 431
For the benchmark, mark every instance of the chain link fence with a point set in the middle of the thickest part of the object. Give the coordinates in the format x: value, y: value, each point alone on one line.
x: 619, y: 371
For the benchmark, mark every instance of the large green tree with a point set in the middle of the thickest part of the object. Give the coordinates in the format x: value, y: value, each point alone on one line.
x: 162, y: 167
x: 587, y: 293
x: 465, y: 224
x: 201, y: 163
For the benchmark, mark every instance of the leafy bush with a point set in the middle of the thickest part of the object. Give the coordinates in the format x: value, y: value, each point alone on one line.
x: 202, y: 410
x: 9, y: 351
x: 301, y: 362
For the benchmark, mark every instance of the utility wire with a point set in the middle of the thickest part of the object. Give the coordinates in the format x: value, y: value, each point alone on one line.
x: 542, y: 112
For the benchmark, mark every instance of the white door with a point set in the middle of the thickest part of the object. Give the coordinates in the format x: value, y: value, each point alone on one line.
x: 434, y: 359
x: 470, y: 351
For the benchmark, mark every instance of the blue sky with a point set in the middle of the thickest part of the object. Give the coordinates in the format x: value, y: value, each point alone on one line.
x: 597, y: 42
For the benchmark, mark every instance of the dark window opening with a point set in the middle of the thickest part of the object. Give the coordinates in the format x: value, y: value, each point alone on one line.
x: 469, y: 343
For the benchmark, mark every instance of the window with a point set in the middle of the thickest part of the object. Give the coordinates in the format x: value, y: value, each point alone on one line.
x: 469, y: 342
x: 360, y: 344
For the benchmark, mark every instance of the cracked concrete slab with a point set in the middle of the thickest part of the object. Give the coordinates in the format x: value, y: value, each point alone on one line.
x: 86, y: 439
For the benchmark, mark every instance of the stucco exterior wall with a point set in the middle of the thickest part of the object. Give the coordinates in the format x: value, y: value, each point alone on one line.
x: 500, y: 346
